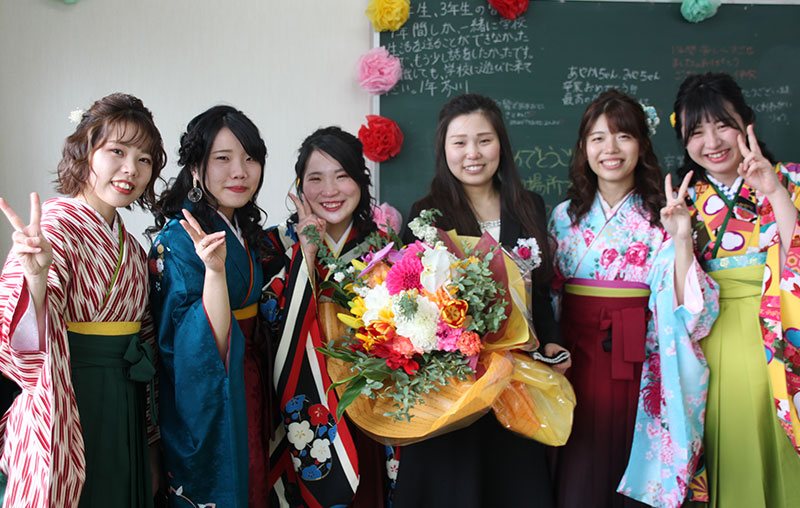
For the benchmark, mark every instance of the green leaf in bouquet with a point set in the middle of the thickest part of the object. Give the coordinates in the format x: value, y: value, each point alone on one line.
x: 353, y: 390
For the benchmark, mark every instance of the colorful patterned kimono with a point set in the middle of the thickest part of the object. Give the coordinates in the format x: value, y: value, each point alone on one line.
x: 98, y: 279
x: 639, y: 375
x: 211, y: 410
x: 752, y: 429
x: 314, y: 460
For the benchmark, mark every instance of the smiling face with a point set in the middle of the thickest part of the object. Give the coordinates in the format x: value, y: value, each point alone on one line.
x: 232, y: 175
x: 712, y: 144
x: 472, y: 149
x: 120, y: 172
x: 612, y: 156
x: 332, y: 194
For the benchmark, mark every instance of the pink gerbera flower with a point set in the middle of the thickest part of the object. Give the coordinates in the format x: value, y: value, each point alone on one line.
x: 404, y: 275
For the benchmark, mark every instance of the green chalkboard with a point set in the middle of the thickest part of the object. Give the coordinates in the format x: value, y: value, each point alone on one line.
x: 546, y: 66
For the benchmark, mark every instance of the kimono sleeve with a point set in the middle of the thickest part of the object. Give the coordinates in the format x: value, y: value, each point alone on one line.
x: 23, y: 366
x: 193, y: 374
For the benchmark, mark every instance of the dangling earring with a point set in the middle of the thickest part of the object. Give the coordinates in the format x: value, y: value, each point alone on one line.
x: 195, y: 194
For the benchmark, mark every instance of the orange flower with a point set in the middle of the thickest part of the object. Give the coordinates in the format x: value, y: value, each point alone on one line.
x: 470, y: 343
x: 376, y: 333
x: 454, y: 312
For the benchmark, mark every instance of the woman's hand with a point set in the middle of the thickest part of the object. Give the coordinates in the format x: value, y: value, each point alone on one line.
x: 552, y: 349
x: 306, y: 217
x: 675, y: 216
x: 30, y: 246
x: 209, y: 248
x: 755, y: 168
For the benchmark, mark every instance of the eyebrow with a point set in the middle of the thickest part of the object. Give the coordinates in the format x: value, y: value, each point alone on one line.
x: 487, y: 133
x: 222, y: 150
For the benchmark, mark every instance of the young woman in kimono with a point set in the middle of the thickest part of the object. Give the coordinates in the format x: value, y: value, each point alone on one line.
x: 744, y: 214
x: 75, y: 330
x: 315, y: 460
x: 205, y: 281
x: 635, y: 302
x: 477, y: 188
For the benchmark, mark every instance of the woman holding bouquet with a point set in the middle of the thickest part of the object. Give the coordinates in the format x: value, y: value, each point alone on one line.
x: 635, y: 303
x: 477, y: 188
x: 747, y: 234
x: 315, y: 459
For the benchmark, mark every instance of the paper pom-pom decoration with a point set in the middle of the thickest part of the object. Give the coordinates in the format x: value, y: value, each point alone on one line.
x: 378, y: 71
x: 387, y: 214
x: 699, y: 10
x: 387, y: 14
x: 510, y: 9
x: 381, y: 138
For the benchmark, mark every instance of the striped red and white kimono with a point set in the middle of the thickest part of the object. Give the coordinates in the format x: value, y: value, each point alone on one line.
x: 42, y: 444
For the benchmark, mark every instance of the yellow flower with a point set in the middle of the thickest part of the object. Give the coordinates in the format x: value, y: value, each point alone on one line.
x: 672, y: 119
x: 351, y: 321
x: 387, y: 14
x: 358, y: 264
x: 357, y: 306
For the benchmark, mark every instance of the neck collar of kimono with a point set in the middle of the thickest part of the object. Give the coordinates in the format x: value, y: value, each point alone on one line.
x: 336, y: 246
x: 115, y: 224
x: 609, y: 210
x: 234, y: 227
x: 730, y: 192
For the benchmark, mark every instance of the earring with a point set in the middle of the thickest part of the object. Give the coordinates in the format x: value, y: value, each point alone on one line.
x: 195, y: 194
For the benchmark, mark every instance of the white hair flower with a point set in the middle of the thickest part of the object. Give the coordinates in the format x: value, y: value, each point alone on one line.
x: 76, y: 115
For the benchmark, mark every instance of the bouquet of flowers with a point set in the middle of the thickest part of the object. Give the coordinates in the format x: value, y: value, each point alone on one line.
x: 423, y: 348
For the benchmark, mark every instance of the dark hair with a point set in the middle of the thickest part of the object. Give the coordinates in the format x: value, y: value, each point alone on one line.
x: 709, y: 96
x: 347, y: 150
x: 194, y: 151
x: 623, y: 114
x: 136, y: 127
x: 447, y: 194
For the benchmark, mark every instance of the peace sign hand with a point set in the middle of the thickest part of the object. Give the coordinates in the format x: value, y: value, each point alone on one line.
x: 755, y: 168
x: 211, y: 248
x: 306, y: 217
x: 675, y: 216
x: 31, y: 247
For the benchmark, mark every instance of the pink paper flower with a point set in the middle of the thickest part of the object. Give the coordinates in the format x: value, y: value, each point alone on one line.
x: 387, y: 213
x: 378, y: 71
x: 404, y: 275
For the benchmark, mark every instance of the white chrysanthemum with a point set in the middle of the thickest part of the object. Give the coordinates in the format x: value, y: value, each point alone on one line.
x: 421, y: 327
x: 338, y: 276
x: 300, y: 434
x: 376, y: 300
x: 435, y: 267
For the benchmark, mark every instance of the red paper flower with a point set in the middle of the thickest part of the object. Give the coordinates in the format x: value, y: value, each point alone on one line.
x: 381, y: 138
x: 510, y: 9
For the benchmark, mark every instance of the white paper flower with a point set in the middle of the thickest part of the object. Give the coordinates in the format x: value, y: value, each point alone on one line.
x: 300, y: 434
x: 421, y: 327
x: 435, y: 268
x: 321, y: 450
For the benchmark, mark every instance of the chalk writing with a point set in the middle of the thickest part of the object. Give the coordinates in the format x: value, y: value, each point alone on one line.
x: 737, y: 60
x: 583, y: 84
x: 444, y: 44
x: 540, y: 157
x: 547, y: 184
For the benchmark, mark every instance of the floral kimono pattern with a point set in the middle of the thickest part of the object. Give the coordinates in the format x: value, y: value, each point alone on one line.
x: 669, y: 417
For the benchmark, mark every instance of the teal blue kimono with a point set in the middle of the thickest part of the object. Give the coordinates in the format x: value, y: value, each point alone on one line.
x: 202, y: 405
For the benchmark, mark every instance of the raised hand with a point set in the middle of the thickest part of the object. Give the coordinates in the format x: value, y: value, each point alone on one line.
x: 211, y: 248
x: 306, y: 217
x: 675, y: 216
x: 755, y: 168
x: 31, y: 247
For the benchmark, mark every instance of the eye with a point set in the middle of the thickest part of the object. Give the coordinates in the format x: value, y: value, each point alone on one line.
x: 313, y: 179
x: 596, y: 139
x: 115, y: 151
x: 343, y: 176
x: 695, y: 133
x: 222, y: 158
x: 486, y: 141
x: 146, y: 160
x: 458, y: 143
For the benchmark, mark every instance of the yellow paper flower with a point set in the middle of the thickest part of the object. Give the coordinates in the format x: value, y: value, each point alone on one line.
x: 672, y: 119
x: 387, y: 14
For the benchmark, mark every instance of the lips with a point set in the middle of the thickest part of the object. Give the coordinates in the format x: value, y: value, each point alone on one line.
x: 611, y: 163
x: 237, y: 189
x: 332, y: 206
x: 717, y: 156
x: 122, y: 186
x: 473, y: 168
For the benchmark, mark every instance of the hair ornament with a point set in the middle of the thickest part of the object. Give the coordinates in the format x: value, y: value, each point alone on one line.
x: 76, y: 115
x: 651, y: 117
x: 672, y: 119
x: 696, y: 11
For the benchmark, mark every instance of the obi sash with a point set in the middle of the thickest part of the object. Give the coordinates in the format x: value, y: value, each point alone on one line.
x: 619, y: 307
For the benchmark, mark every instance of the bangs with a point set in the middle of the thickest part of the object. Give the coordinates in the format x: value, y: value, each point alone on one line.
x: 623, y: 117
x: 704, y: 105
x: 134, y: 131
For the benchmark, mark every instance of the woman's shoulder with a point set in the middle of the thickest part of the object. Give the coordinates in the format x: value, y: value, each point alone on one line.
x: 790, y: 170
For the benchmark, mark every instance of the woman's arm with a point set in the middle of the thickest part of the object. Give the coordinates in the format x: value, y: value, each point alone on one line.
x: 676, y: 220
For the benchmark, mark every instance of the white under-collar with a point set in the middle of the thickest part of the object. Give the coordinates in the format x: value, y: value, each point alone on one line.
x: 333, y: 245
x: 608, y: 210
x: 237, y: 232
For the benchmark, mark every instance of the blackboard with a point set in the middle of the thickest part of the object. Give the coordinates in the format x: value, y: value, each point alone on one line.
x: 546, y: 66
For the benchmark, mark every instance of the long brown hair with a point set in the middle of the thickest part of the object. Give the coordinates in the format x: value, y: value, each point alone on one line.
x: 623, y: 114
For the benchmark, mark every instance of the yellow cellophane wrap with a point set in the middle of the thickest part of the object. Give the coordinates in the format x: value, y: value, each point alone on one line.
x: 538, y: 402
x: 460, y: 403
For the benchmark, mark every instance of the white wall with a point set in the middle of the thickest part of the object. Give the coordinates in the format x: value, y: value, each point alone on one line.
x: 288, y: 64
